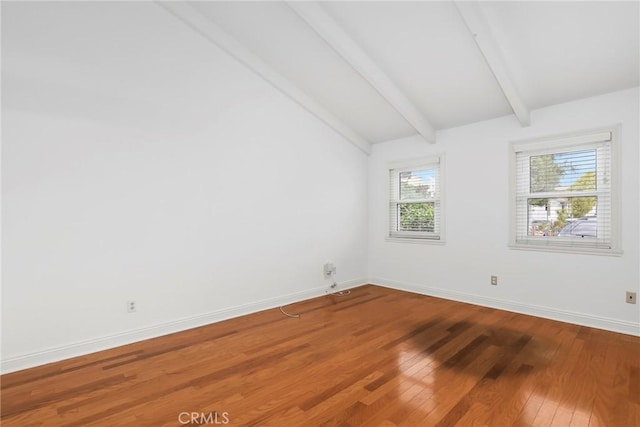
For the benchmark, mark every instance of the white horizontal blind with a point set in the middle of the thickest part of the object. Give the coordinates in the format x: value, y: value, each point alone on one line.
x: 415, y: 201
x: 564, y: 192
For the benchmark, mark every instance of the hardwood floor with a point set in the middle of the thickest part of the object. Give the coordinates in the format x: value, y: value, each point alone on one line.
x: 374, y: 357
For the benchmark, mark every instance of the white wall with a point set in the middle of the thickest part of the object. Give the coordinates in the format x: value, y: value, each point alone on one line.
x: 142, y: 163
x: 584, y: 289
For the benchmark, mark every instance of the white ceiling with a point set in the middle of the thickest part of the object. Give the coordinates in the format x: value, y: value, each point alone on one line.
x: 435, y: 71
x: 553, y: 52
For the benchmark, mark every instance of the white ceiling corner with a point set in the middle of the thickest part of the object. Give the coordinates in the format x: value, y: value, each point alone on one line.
x: 284, y: 41
x: 199, y: 23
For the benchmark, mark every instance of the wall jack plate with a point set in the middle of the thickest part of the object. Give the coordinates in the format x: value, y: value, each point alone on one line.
x: 329, y: 269
x: 631, y: 297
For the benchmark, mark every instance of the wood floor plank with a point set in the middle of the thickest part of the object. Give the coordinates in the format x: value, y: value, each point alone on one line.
x: 374, y: 357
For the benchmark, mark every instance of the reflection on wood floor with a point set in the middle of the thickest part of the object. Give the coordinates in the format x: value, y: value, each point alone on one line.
x: 374, y: 357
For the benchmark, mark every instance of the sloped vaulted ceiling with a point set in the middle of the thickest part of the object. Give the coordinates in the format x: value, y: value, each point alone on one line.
x: 378, y: 71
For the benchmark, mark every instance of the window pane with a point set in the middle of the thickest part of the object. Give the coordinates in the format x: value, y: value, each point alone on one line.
x: 558, y: 216
x: 416, y: 217
x: 569, y: 171
x: 417, y: 184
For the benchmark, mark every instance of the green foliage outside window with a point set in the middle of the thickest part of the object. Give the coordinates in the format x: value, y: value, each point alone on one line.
x: 417, y: 217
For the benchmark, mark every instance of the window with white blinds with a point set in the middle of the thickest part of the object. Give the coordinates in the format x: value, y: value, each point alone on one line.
x: 564, y: 193
x: 415, y: 200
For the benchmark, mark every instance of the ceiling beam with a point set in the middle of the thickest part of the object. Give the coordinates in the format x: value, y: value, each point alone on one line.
x: 214, y: 34
x: 314, y: 15
x: 475, y: 21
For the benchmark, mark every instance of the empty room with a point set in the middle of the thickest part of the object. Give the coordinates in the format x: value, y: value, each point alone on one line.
x: 302, y: 213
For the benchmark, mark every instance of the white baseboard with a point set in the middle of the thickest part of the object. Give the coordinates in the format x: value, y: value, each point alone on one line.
x: 629, y: 328
x: 12, y: 364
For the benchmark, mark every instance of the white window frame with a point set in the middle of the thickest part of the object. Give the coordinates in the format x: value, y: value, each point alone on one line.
x: 561, y: 143
x: 394, y: 169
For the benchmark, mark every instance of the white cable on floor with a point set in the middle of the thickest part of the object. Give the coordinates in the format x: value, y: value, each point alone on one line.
x: 289, y: 315
x: 335, y: 285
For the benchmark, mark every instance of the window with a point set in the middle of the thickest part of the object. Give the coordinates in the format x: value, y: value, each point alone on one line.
x: 415, y: 200
x: 565, y: 197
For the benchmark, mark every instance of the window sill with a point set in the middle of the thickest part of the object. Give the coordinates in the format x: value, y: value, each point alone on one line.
x: 423, y: 241
x: 565, y: 249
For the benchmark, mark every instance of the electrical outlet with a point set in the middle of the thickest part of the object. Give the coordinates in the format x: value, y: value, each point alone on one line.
x: 329, y: 269
x: 631, y: 297
x: 131, y: 306
x: 494, y: 280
